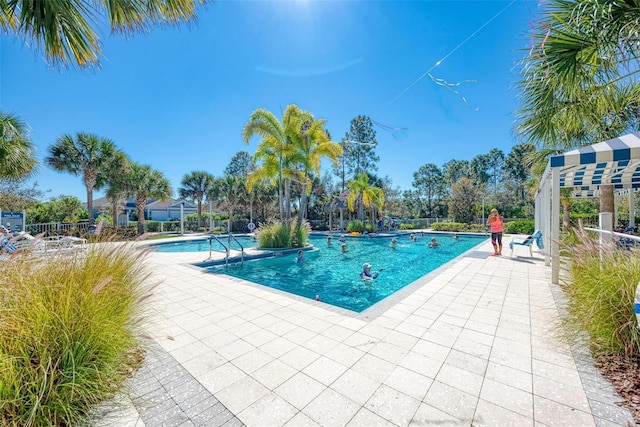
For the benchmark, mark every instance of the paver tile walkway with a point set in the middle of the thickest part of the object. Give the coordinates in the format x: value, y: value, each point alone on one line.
x: 470, y: 344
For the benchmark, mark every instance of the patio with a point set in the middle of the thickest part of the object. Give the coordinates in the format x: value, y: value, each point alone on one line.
x: 471, y: 343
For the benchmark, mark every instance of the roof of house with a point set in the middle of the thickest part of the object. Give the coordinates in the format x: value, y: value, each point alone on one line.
x: 151, y: 204
x: 170, y: 204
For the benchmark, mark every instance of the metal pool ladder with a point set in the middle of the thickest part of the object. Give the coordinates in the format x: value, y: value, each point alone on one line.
x: 227, y: 249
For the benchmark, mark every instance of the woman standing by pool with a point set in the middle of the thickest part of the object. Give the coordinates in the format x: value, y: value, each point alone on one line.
x: 497, y: 227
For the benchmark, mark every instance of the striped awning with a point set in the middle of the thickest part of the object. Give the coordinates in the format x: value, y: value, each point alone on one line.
x: 615, y: 162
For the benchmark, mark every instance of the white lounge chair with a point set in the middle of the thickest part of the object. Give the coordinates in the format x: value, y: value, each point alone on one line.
x: 528, y: 242
x: 38, y: 245
x: 24, y: 240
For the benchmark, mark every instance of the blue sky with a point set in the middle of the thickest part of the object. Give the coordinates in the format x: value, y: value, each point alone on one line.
x: 177, y: 98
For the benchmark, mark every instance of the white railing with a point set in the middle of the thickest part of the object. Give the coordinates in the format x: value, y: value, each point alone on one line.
x: 55, y: 228
x: 615, y: 233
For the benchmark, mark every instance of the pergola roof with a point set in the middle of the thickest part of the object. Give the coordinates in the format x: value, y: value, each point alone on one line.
x: 616, y: 162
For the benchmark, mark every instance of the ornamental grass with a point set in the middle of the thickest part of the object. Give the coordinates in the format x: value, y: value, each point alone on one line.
x: 69, y: 332
x: 600, y: 290
x: 284, y: 234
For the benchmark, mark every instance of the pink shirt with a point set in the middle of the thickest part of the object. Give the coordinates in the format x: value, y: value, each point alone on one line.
x: 496, y: 225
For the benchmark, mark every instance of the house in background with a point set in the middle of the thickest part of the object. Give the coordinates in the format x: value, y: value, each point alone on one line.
x: 156, y: 210
x: 169, y: 210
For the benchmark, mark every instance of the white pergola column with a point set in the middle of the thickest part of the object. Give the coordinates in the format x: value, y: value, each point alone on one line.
x: 555, y: 226
x: 605, y: 224
x: 182, y: 218
x: 545, y: 222
x: 632, y: 208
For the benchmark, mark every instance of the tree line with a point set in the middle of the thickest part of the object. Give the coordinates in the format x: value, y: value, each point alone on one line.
x: 283, y: 176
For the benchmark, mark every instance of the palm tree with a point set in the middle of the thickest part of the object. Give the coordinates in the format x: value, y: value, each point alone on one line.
x: 87, y: 155
x: 311, y: 145
x: 144, y: 183
x: 196, y: 185
x: 578, y: 81
x: 275, y: 150
x: 16, y: 150
x: 365, y: 195
x: 66, y: 29
x: 114, y: 181
x: 271, y: 150
x: 264, y: 196
x: 232, y: 190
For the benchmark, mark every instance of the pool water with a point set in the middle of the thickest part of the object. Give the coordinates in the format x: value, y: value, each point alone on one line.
x: 202, y: 245
x: 334, y: 277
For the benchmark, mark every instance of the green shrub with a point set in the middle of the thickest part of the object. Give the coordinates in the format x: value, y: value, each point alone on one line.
x: 283, y: 234
x: 114, y: 234
x: 449, y: 226
x: 600, y: 294
x: 69, y: 335
x: 407, y: 226
x: 458, y: 227
x: 220, y: 229
x: 588, y: 219
x: 152, y: 226
x: 300, y: 235
x: 519, y: 227
x: 357, y: 226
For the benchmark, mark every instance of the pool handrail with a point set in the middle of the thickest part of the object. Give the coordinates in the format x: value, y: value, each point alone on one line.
x: 231, y: 236
x: 226, y: 250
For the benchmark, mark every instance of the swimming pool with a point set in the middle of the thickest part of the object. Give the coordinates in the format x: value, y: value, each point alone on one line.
x: 202, y: 245
x: 334, y: 277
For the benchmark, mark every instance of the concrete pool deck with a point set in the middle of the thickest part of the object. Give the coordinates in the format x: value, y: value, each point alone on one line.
x: 469, y: 344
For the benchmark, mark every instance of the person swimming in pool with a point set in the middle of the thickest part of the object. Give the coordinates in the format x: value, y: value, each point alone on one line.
x: 394, y: 243
x: 434, y: 243
x: 342, y: 238
x: 344, y: 249
x: 329, y: 238
x: 300, y: 258
x: 366, y: 273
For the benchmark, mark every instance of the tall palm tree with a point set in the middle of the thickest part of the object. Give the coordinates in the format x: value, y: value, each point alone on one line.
x: 232, y: 191
x: 271, y: 150
x: 311, y: 145
x: 144, y: 183
x: 275, y: 150
x: 86, y: 155
x: 268, y: 173
x: 67, y: 29
x: 264, y: 196
x: 364, y: 195
x: 115, y: 184
x: 196, y: 185
x: 579, y: 85
x: 16, y: 150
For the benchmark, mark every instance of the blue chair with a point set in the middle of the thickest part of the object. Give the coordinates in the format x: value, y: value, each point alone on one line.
x: 7, y: 246
x: 625, y: 242
x: 528, y: 242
